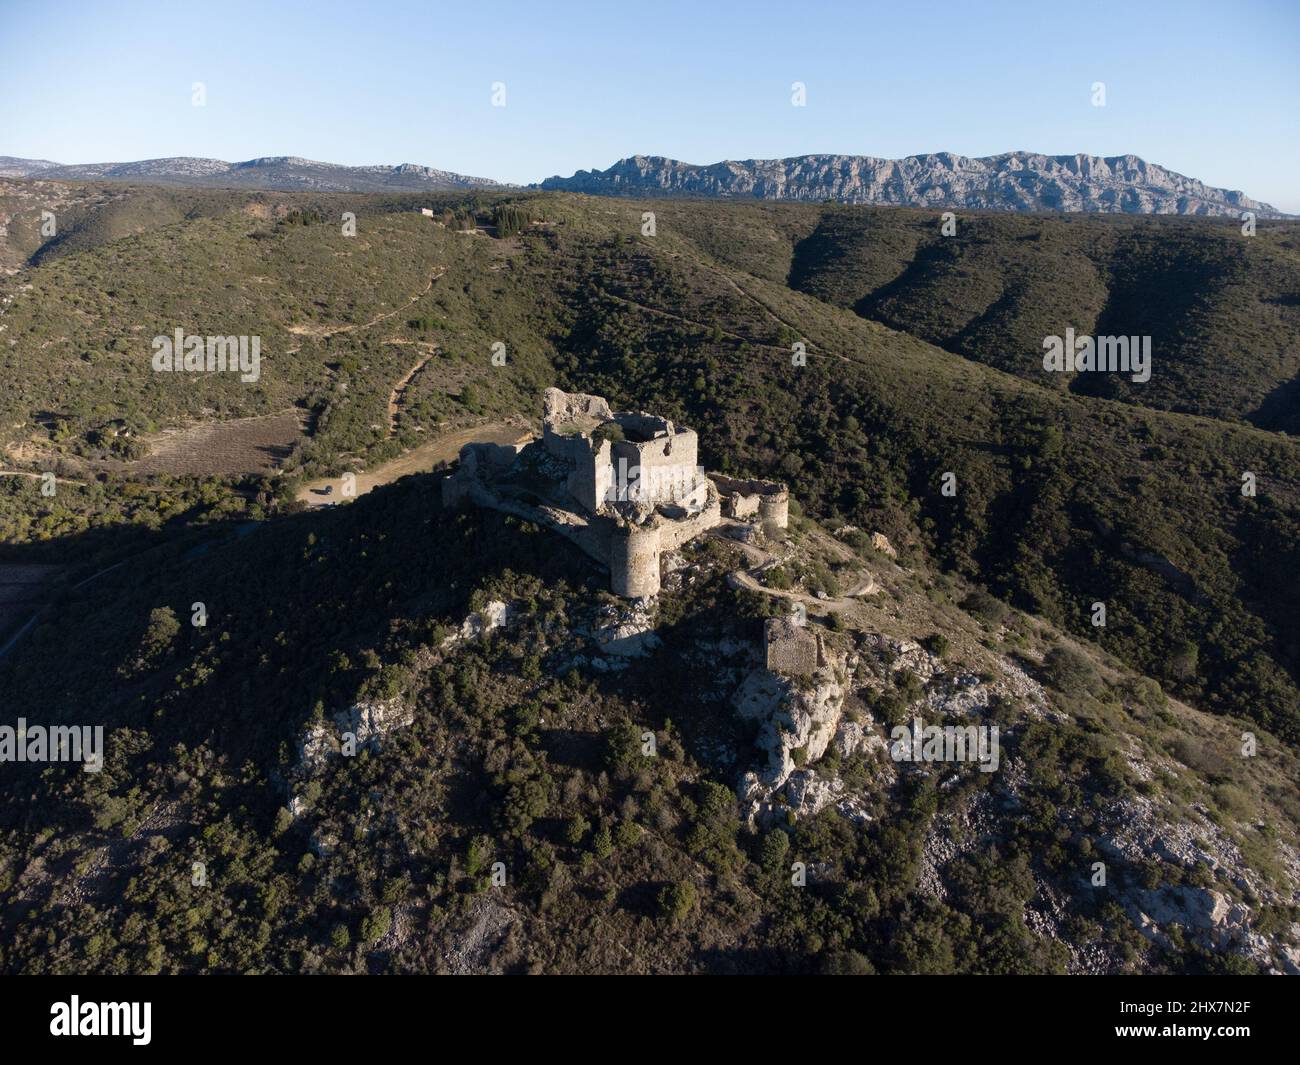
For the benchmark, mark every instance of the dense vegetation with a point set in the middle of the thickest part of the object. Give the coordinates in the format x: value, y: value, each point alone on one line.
x: 1222, y: 308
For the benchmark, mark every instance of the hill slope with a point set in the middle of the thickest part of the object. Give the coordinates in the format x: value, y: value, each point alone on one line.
x: 1222, y: 309
x: 501, y: 814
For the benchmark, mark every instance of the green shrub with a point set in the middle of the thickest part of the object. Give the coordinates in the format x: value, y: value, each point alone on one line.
x: 375, y: 925
x: 1070, y: 672
x: 936, y: 644
x: 676, y: 900
x: 987, y: 608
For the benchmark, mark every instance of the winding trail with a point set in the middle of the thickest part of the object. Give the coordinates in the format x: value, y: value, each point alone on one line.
x: 762, y: 559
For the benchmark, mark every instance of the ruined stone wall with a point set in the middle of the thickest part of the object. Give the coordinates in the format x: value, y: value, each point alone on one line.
x: 592, y: 479
x: 672, y: 534
x: 742, y: 506
x: 565, y: 446
x: 643, y: 426
x: 491, y: 457
x: 769, y: 501
x: 658, y: 462
x: 477, y: 460
x: 663, y: 470
x: 774, y: 510
x: 559, y: 407
x: 591, y: 537
x: 790, y: 649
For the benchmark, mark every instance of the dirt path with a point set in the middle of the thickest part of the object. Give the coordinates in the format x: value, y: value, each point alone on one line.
x: 740, y: 291
x: 324, y: 332
x: 760, y: 559
x: 443, y: 448
x: 745, y: 293
x: 686, y: 321
x: 38, y: 476
x: 399, y: 389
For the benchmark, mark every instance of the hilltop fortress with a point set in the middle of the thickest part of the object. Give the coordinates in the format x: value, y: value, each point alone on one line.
x: 623, y: 486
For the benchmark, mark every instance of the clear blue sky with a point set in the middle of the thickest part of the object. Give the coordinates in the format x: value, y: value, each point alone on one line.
x: 1209, y: 90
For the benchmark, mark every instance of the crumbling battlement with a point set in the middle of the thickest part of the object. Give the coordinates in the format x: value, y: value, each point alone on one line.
x: 621, y: 457
x: 768, y: 501
x: 624, y: 486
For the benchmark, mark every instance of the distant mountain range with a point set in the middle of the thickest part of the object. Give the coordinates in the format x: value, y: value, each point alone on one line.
x: 1015, y: 181
x: 284, y: 173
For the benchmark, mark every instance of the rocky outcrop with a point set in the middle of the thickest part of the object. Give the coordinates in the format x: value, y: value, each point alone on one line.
x: 1015, y: 181
x: 797, y: 719
x: 367, y: 723
x: 495, y: 614
x: 352, y: 729
x: 627, y: 631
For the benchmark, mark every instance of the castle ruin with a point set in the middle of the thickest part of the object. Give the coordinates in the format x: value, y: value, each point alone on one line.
x: 624, y: 486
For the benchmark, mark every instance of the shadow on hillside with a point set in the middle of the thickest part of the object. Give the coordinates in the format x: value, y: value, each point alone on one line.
x: 301, y: 609
x: 1280, y: 411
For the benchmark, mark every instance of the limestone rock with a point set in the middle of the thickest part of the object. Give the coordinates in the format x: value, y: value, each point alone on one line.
x: 627, y: 632
x: 793, y: 716
x: 881, y: 543
x: 494, y: 615
x: 370, y: 722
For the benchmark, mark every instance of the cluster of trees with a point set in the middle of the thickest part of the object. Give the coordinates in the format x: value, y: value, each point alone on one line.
x: 510, y: 218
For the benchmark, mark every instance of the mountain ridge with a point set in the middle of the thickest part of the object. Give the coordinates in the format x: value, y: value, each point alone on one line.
x: 1018, y: 181
x: 272, y: 172
x: 1011, y: 181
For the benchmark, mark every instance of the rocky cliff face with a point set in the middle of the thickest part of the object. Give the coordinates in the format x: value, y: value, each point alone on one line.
x: 1015, y: 181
